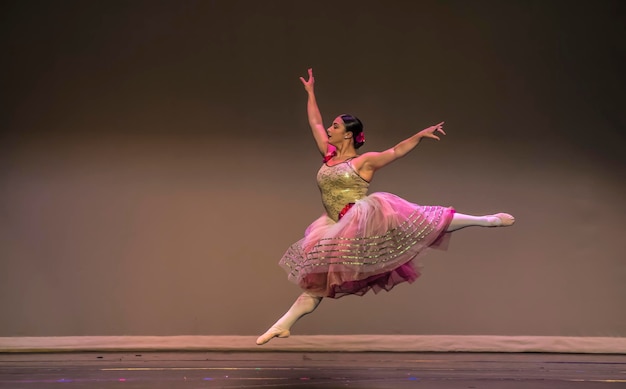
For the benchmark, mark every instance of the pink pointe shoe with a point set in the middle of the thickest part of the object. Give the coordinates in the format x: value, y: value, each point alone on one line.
x: 504, y: 220
x: 272, y: 333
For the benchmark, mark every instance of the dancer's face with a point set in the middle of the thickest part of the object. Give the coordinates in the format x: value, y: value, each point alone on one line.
x: 337, y: 131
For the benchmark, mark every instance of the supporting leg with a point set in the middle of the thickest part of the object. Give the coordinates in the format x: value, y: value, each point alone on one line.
x: 497, y: 220
x: 305, y: 304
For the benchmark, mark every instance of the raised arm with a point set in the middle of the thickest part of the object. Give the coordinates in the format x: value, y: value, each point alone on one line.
x: 315, y: 117
x: 374, y: 160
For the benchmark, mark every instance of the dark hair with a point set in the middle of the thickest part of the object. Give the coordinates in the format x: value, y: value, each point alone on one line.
x: 354, y: 125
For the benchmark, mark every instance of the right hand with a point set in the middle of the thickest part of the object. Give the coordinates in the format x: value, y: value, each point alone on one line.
x: 430, y: 131
x: 308, y: 84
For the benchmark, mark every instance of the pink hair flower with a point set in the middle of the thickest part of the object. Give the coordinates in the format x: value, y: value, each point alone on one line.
x: 360, y: 138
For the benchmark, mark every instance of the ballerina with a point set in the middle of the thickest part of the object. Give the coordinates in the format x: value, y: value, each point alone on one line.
x: 363, y: 242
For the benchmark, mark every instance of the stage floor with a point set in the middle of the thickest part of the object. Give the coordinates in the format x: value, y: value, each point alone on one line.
x: 317, y: 370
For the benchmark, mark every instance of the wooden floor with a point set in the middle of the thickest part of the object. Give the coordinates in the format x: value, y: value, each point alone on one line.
x: 317, y: 370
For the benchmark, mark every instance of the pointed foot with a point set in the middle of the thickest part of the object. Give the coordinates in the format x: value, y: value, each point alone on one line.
x: 272, y: 333
x: 502, y: 220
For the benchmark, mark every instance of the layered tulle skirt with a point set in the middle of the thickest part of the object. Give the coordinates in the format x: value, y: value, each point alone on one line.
x: 372, y: 247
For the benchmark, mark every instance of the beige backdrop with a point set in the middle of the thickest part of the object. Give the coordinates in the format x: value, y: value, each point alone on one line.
x: 156, y: 161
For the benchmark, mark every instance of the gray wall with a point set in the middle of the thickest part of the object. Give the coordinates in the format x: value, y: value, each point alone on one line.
x: 155, y: 161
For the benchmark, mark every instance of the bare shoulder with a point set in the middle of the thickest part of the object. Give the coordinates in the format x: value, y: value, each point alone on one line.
x: 366, y: 159
x: 373, y: 161
x: 362, y: 164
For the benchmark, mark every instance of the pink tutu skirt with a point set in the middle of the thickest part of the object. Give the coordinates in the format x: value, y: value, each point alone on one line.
x: 373, y: 246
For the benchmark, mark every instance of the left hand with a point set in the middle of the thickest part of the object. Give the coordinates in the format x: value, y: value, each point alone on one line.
x: 308, y: 84
x: 430, y: 131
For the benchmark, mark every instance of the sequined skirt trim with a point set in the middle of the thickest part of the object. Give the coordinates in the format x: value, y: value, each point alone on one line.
x: 371, y: 248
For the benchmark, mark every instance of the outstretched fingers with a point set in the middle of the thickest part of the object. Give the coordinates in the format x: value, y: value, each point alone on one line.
x: 430, y: 131
x: 440, y: 128
x: 308, y: 84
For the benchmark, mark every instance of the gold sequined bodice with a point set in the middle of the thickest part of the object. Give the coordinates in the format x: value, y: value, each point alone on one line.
x: 340, y: 184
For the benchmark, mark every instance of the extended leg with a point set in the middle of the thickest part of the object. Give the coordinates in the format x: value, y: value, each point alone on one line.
x: 304, y: 304
x: 498, y: 220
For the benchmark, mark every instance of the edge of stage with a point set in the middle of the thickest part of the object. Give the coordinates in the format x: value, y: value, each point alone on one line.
x: 321, y: 343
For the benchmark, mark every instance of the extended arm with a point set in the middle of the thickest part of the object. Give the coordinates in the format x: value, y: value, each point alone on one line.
x: 314, y: 115
x: 374, y: 161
